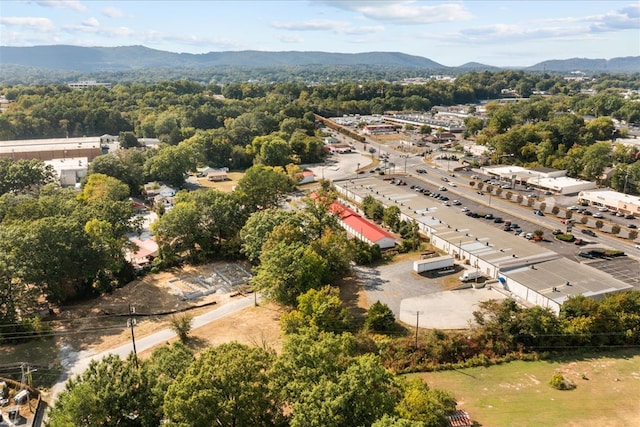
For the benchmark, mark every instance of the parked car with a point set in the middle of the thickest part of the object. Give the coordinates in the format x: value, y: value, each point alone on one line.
x: 506, y: 187
x: 556, y: 232
x: 586, y: 254
x: 632, y: 226
x: 506, y: 228
x: 538, y: 212
x: 453, y: 184
x: 498, y: 220
x: 573, y: 208
x: 589, y: 233
x: 598, y: 215
x: 602, y: 209
x: 464, y: 209
x: 488, y: 216
x: 442, y: 188
x: 629, y: 216
x: 579, y: 242
x: 457, y: 202
x: 619, y: 214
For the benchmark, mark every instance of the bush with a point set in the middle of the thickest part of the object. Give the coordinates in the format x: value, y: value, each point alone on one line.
x: 181, y: 325
x: 615, y: 229
x: 566, y: 237
x: 555, y: 210
x: 584, y: 219
x: 380, y: 318
x: 559, y: 382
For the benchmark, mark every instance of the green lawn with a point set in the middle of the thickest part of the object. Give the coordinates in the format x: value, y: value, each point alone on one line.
x: 518, y: 393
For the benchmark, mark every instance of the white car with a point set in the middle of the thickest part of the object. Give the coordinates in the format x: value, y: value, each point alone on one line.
x: 457, y: 203
x: 465, y: 209
x: 638, y: 246
x: 598, y: 215
x: 446, y: 203
x: 573, y: 208
x: 603, y: 209
x: 453, y: 184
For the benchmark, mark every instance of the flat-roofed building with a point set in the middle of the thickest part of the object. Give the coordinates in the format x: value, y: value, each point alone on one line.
x: 56, y: 148
x: 612, y: 200
x: 70, y: 171
x: 550, y: 283
x: 498, y: 255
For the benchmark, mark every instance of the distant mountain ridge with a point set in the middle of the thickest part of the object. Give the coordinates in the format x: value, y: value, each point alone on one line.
x: 128, y: 58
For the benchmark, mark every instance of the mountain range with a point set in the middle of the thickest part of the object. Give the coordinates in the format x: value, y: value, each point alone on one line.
x: 128, y: 58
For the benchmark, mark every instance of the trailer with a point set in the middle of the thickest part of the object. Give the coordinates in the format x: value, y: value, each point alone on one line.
x: 431, y: 264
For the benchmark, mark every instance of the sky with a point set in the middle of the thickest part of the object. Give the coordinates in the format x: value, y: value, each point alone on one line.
x: 452, y: 33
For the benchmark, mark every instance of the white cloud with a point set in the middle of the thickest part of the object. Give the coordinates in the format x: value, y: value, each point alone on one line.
x: 408, y: 12
x: 34, y: 23
x: 291, y: 38
x: 311, y: 25
x: 112, y: 12
x: 337, y: 27
x: 91, y: 22
x: 63, y: 4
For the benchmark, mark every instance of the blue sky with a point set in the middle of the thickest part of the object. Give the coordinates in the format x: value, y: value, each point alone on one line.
x: 501, y: 33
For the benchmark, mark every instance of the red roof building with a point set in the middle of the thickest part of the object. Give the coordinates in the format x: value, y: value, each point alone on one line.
x: 361, y: 228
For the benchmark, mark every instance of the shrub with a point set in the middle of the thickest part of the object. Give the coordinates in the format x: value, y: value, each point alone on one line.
x: 559, y: 382
x: 508, y: 195
x: 566, y: 237
x: 599, y: 224
x: 555, y: 210
x: 543, y: 206
x: 380, y: 318
x: 472, y: 183
x: 584, y: 219
x: 615, y: 229
x: 633, y: 234
x: 519, y: 198
x: 181, y: 325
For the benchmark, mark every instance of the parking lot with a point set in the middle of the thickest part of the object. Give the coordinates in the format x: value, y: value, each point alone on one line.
x: 622, y: 268
x: 416, y: 298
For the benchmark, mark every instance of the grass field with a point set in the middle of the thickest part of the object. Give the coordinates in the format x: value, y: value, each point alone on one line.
x: 518, y: 394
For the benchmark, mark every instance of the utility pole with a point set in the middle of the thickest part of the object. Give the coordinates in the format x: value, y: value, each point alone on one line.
x: 417, y: 325
x: 131, y: 322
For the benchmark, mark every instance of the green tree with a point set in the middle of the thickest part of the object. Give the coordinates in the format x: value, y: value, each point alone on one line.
x: 226, y: 386
x: 179, y: 231
x: 24, y: 176
x: 110, y: 392
x: 256, y: 230
x: 288, y: 270
x: 166, y: 364
x: 101, y: 187
x: 263, y: 187
x: 391, y: 217
x: 380, y: 318
x: 128, y: 140
x: 317, y: 308
x: 421, y: 403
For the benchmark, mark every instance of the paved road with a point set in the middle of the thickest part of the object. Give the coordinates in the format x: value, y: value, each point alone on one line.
x: 76, y: 363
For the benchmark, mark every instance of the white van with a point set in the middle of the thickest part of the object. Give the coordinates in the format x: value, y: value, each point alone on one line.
x: 470, y: 275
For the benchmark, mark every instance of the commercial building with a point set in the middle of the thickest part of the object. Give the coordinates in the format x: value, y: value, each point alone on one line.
x: 70, y: 171
x: 59, y: 148
x: 545, y: 179
x: 528, y: 271
x: 611, y: 200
